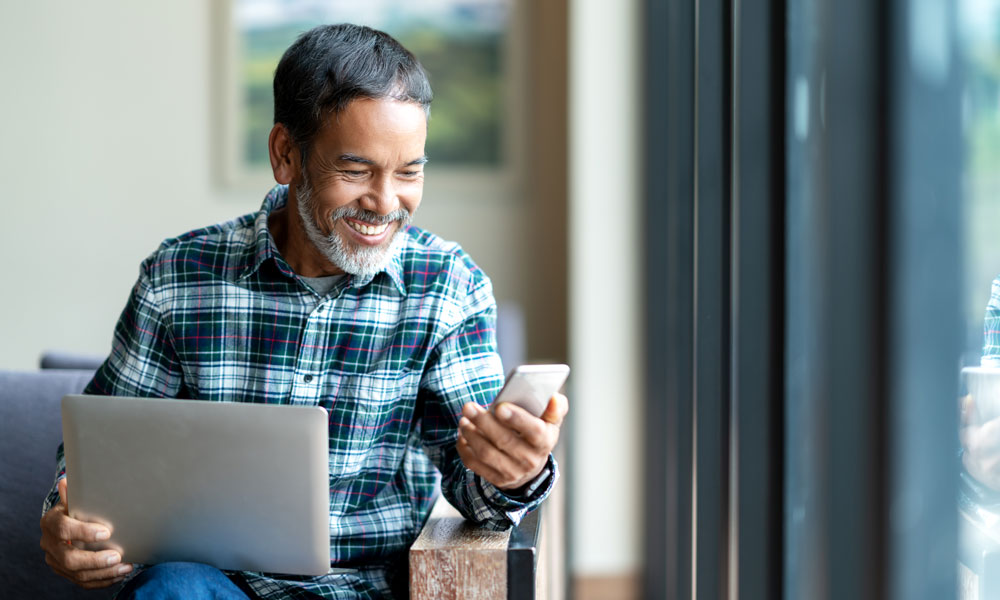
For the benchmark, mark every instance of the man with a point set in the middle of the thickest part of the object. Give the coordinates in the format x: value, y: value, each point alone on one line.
x: 981, y: 440
x: 328, y: 297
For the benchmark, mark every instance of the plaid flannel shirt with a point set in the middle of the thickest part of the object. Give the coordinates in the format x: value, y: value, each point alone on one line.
x: 991, y: 328
x: 217, y: 314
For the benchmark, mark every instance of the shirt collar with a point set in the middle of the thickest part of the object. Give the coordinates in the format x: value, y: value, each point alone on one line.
x: 393, y: 268
x: 264, y: 247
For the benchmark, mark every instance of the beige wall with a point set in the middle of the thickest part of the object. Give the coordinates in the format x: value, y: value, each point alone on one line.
x: 604, y: 240
x: 104, y: 153
x: 106, y: 150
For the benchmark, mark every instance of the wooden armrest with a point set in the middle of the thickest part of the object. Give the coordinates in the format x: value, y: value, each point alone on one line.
x: 455, y: 559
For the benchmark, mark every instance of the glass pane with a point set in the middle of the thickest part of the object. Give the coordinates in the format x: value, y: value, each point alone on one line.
x: 979, y: 500
x: 459, y: 42
x: 804, y: 496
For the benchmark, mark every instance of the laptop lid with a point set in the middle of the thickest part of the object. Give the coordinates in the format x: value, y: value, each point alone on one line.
x: 237, y: 486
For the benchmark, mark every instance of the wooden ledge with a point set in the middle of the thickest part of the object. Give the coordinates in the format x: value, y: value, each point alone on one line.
x: 454, y: 559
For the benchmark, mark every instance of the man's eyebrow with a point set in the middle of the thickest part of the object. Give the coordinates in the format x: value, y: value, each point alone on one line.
x: 367, y: 161
x: 355, y: 158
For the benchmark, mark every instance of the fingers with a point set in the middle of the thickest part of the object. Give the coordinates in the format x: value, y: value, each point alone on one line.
x: 87, y: 569
x: 472, y: 461
x: 504, y: 466
x: 556, y: 410
x: 968, y: 410
x: 508, y: 422
x: 502, y: 433
x: 982, y: 452
x: 63, y: 528
x: 77, y: 560
x: 501, y: 472
x: 509, y: 446
x: 985, y: 467
x: 81, y: 565
x: 71, y: 558
x: 509, y: 416
x: 484, y: 449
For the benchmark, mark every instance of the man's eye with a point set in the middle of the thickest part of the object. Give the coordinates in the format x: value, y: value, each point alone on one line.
x: 353, y: 173
x: 410, y: 173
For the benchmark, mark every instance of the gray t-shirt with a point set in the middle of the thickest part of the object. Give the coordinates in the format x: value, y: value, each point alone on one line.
x: 322, y: 285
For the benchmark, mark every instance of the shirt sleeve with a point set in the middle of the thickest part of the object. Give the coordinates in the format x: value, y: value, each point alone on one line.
x: 465, y: 367
x: 53, y: 496
x: 142, y: 362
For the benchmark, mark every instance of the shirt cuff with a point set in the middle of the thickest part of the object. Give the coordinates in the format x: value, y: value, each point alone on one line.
x: 526, y: 492
x: 53, y: 498
x: 525, y: 498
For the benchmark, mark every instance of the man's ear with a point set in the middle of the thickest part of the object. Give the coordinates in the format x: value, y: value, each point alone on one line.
x: 284, y: 154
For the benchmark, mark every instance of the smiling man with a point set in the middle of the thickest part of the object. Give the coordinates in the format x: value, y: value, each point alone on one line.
x: 328, y: 296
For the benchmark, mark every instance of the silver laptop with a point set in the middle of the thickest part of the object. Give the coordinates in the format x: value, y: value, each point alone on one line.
x: 238, y: 486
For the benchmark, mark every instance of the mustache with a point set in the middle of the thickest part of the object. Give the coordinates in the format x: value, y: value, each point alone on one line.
x: 353, y: 212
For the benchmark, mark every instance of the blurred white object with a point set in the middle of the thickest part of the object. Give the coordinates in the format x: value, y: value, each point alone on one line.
x: 983, y: 384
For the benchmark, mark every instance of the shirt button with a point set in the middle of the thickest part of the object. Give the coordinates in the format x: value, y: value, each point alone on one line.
x: 307, y: 378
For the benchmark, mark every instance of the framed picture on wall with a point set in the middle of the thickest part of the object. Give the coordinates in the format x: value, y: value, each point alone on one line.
x: 471, y: 49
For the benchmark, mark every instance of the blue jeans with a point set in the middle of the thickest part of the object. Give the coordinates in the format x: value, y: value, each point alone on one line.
x: 181, y: 580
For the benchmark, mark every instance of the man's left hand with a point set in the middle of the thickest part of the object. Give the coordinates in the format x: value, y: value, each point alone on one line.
x: 509, y: 446
x: 981, y: 445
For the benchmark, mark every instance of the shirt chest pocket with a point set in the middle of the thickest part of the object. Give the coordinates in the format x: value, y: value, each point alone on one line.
x: 370, y: 417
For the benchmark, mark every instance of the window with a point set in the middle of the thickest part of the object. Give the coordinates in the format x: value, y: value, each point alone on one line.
x: 806, y: 163
x: 465, y: 46
x: 979, y: 490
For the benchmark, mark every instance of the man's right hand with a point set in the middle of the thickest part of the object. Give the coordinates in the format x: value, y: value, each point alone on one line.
x: 980, y: 444
x: 84, y: 568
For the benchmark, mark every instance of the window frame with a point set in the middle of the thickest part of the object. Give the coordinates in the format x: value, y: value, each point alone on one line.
x: 799, y: 399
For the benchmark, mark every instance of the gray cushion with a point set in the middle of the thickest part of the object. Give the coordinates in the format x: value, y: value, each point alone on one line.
x: 32, y: 429
x: 57, y: 359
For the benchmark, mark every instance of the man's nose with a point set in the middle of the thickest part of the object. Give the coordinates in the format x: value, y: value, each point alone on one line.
x: 381, y: 198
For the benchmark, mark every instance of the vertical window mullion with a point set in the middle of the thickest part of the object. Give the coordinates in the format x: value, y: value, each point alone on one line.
x: 669, y: 241
x: 712, y: 298
x: 757, y: 297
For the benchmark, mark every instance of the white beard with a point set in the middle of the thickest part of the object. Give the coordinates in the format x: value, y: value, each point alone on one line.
x: 361, y: 261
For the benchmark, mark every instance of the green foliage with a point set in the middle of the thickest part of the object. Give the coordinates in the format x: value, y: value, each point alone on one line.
x: 466, y: 74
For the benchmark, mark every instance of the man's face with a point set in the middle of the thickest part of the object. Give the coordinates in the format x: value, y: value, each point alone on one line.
x: 362, y: 182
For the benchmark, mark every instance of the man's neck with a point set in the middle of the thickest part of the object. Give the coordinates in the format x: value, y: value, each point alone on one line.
x: 295, y: 246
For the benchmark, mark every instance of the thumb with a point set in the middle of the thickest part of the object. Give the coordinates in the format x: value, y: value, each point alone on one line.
x: 970, y: 412
x: 61, y: 486
x: 556, y: 409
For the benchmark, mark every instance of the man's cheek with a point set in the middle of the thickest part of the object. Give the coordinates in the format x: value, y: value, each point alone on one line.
x: 325, y: 224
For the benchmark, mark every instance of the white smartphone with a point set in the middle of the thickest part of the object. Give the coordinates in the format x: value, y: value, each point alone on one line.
x: 531, y: 387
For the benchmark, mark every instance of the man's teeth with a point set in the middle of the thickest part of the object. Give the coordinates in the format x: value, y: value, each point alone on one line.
x: 368, y: 229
